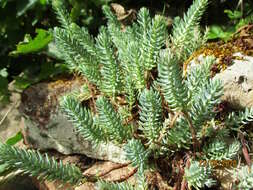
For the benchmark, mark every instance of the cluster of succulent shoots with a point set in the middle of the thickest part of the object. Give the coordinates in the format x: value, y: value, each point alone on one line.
x: 143, y: 102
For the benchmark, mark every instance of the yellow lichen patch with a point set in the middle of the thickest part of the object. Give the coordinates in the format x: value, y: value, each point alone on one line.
x: 224, y: 51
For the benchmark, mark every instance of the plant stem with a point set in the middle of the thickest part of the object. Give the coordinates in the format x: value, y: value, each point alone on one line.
x: 196, y: 145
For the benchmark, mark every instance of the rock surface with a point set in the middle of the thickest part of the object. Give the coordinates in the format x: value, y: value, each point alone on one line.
x: 10, y: 124
x: 45, y: 127
x: 108, y: 171
x: 237, y: 81
x: 9, y: 116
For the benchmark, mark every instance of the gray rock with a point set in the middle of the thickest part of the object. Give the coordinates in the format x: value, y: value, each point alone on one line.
x: 237, y: 81
x: 10, y: 118
x: 45, y: 126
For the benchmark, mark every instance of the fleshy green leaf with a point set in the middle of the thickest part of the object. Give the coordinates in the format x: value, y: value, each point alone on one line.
x: 15, y: 139
x: 43, y: 2
x: 38, y: 43
x: 233, y: 14
x: 217, y: 32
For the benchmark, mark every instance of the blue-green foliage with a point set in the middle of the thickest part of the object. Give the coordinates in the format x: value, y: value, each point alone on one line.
x: 185, y: 29
x: 171, y: 81
x: 135, y: 151
x: 198, y: 176
x: 102, y: 128
x: 115, y: 54
x: 217, y: 149
x: 245, y: 177
x: 110, y: 71
x: 110, y: 120
x: 167, y: 111
x: 150, y: 114
x: 123, y: 61
x: 82, y: 119
x: 34, y: 164
x: 102, y: 185
x: 242, y: 118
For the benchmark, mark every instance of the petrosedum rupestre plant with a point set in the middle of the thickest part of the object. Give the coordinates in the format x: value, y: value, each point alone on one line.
x: 140, y: 99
